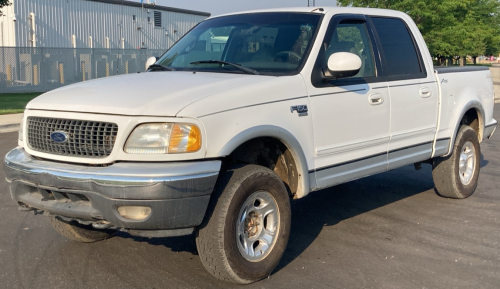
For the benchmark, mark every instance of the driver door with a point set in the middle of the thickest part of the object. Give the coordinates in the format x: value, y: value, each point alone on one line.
x: 351, y: 116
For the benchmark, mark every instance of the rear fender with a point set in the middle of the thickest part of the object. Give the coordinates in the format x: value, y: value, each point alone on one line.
x: 480, y: 112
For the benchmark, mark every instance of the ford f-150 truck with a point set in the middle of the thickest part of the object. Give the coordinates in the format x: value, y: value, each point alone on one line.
x: 243, y: 113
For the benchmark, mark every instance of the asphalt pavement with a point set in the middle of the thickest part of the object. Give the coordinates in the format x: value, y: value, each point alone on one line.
x: 385, y: 231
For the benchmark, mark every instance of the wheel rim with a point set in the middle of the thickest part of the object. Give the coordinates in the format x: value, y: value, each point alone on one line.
x: 257, y: 226
x: 467, y: 163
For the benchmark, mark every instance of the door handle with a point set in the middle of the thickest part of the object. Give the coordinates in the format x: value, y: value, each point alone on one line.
x: 425, y: 92
x: 375, y: 99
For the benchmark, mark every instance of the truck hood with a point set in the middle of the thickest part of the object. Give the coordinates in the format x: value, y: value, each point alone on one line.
x: 148, y: 94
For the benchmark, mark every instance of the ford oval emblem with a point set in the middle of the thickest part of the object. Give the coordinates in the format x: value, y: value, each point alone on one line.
x: 59, y: 136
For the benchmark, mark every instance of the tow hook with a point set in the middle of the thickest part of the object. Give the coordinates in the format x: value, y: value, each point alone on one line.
x: 101, y: 225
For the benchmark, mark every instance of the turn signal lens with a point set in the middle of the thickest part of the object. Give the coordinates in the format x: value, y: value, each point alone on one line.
x: 185, y: 138
x: 134, y: 212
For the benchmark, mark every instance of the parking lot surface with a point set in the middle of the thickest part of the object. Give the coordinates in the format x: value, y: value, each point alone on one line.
x: 385, y: 231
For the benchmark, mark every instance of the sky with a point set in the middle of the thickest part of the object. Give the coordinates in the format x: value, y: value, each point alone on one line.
x: 217, y: 7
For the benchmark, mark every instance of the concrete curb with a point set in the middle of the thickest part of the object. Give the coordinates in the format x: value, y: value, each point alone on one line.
x: 10, y: 122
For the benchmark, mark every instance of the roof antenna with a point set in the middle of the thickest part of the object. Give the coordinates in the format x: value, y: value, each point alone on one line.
x: 312, y: 3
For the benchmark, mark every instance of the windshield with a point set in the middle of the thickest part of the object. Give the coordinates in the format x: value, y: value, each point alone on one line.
x: 266, y: 43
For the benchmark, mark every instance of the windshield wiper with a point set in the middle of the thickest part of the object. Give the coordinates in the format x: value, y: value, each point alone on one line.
x: 161, y: 66
x: 237, y: 66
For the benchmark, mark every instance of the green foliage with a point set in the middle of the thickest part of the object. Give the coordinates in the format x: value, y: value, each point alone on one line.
x: 4, y: 3
x: 15, y: 102
x: 450, y: 28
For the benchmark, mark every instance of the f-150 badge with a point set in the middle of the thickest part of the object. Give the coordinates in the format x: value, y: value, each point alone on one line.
x: 301, y: 109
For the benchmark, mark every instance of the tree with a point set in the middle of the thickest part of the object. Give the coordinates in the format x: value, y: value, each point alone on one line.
x: 451, y: 28
x: 4, y: 3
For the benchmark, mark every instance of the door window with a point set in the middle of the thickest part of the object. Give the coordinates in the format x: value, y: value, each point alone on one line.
x: 353, y: 37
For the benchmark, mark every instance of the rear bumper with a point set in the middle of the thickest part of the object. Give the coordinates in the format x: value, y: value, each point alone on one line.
x: 177, y: 193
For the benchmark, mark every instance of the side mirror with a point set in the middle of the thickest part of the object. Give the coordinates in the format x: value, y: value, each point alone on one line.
x: 152, y: 60
x: 342, y: 65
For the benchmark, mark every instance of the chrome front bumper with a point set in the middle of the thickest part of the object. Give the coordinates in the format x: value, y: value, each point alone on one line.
x: 177, y: 193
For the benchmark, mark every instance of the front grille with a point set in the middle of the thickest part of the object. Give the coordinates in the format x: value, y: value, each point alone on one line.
x: 92, y: 139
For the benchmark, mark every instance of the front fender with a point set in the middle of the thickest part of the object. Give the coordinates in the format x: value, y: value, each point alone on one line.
x: 290, y: 142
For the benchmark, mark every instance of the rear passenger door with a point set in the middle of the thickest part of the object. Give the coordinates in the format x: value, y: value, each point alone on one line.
x: 413, y: 92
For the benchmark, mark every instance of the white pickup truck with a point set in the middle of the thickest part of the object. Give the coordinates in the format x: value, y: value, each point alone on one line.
x: 243, y: 113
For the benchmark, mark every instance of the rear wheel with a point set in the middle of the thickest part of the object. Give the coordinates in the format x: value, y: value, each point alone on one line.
x: 456, y: 176
x: 78, y: 232
x: 247, y: 226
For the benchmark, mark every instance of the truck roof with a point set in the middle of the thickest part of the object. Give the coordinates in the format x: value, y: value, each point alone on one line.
x: 323, y: 10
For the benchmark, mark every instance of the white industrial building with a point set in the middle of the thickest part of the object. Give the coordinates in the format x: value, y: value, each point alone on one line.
x: 46, y: 44
x: 94, y: 24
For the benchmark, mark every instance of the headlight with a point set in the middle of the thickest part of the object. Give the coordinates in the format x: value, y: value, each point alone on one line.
x: 163, y: 138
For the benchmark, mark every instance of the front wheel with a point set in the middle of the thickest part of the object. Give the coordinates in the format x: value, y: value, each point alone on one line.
x: 456, y: 176
x: 247, y: 226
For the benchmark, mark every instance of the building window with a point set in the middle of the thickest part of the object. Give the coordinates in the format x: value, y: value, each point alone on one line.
x: 149, y: 19
x: 133, y: 17
x: 157, y: 19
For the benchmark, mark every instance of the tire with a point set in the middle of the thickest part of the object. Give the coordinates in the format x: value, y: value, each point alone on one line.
x: 78, y: 232
x: 258, y: 193
x: 456, y: 175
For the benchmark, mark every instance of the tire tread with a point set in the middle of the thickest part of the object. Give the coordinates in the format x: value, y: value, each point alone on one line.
x: 213, y: 256
x: 446, y: 181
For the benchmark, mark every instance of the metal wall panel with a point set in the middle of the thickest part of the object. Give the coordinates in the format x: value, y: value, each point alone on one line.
x: 7, y: 27
x: 38, y: 69
x: 57, y: 20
